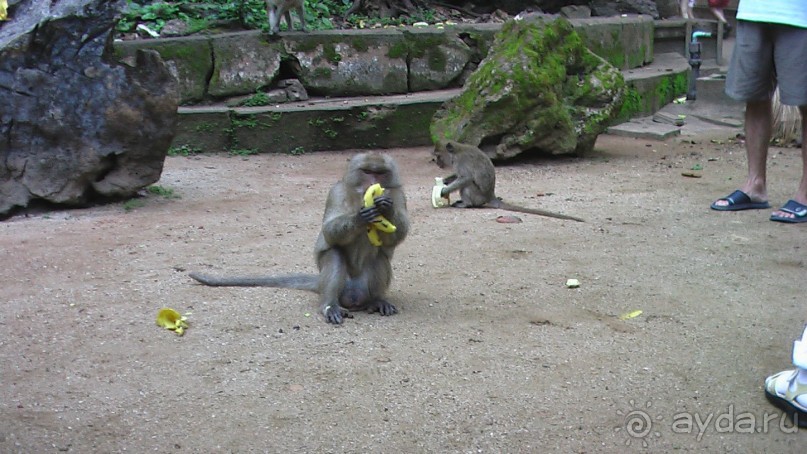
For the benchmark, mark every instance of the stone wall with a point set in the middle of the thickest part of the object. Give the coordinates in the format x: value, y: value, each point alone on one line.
x: 363, y: 62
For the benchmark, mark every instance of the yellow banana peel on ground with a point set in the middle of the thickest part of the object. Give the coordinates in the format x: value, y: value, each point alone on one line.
x: 3, y: 10
x: 173, y: 320
x: 380, y: 223
x: 630, y: 315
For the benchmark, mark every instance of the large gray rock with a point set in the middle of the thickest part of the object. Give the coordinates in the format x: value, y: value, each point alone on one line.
x: 539, y: 89
x: 74, y: 123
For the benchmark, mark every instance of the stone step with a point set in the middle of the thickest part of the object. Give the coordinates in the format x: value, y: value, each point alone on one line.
x: 314, y: 125
x: 375, y: 122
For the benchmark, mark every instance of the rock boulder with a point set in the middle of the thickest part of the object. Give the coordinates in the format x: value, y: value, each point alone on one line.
x: 75, y: 124
x: 539, y: 90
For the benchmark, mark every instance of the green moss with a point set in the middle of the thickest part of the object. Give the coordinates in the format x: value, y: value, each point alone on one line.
x: 322, y: 73
x: 437, y: 59
x: 306, y: 46
x: 326, y: 126
x: 680, y: 83
x: 632, y: 103
x: 398, y: 50
x: 533, y: 76
x: 359, y: 44
x: 664, y: 89
x: 238, y: 121
x: 330, y: 53
x: 419, y: 46
x: 243, y: 121
x: 205, y: 127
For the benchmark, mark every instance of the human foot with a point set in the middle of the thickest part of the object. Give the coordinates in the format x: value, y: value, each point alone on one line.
x: 792, y: 212
x: 739, y: 200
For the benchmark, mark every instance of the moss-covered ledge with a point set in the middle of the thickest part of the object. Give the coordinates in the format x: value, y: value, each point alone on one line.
x: 363, y: 62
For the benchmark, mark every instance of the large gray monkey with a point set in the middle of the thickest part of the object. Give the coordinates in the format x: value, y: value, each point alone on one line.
x: 353, y: 274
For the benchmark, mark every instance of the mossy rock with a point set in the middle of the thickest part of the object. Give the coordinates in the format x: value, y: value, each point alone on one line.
x: 189, y: 59
x: 539, y: 89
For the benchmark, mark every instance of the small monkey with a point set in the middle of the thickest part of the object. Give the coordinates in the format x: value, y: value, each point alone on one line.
x: 475, y: 177
x: 277, y: 9
x: 353, y: 274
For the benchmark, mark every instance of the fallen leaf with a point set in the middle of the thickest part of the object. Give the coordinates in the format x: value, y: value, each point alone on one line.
x: 508, y: 219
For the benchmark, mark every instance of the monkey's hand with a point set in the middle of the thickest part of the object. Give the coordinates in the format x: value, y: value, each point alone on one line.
x: 369, y: 214
x: 384, y: 204
x: 374, y: 203
x: 445, y: 192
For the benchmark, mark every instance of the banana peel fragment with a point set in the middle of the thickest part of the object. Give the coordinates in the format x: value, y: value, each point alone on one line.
x: 630, y: 315
x: 380, y: 223
x: 173, y: 320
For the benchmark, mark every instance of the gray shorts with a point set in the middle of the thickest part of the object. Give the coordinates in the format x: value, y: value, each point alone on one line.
x: 766, y: 55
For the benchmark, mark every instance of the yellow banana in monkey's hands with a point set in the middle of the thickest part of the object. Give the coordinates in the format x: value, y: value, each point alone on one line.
x: 380, y: 223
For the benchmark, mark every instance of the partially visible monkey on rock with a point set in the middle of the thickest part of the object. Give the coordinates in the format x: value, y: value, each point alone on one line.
x: 277, y: 9
x: 353, y: 273
x: 475, y: 178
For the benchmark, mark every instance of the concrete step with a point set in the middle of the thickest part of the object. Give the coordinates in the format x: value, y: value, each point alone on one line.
x: 373, y: 122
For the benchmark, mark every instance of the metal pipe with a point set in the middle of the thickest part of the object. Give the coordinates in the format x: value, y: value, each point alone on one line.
x: 695, y: 63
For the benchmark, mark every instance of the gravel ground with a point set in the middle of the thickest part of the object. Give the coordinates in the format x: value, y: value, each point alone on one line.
x: 491, y: 352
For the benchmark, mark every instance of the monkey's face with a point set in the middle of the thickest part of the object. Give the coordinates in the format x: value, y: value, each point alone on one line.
x: 442, y: 157
x: 368, y: 169
x: 373, y: 176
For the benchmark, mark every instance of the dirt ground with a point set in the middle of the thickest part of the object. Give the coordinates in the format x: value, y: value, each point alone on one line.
x: 491, y: 352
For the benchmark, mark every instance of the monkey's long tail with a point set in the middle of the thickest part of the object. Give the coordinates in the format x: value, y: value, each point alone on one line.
x: 506, y: 206
x: 308, y: 282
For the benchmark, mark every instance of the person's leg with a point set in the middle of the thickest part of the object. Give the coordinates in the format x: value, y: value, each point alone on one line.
x: 801, y: 192
x: 790, y: 55
x: 718, y: 13
x: 801, y: 196
x: 758, y: 127
x: 751, y: 79
x: 686, y: 10
x: 758, y: 121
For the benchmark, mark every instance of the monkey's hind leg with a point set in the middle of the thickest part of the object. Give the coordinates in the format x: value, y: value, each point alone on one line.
x: 460, y: 204
x: 379, y: 277
x: 333, y: 279
x: 383, y: 307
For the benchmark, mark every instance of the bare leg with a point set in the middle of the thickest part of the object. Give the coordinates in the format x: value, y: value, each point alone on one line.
x: 801, y: 193
x: 758, y: 125
x: 801, y: 196
x: 686, y: 11
x: 718, y: 13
